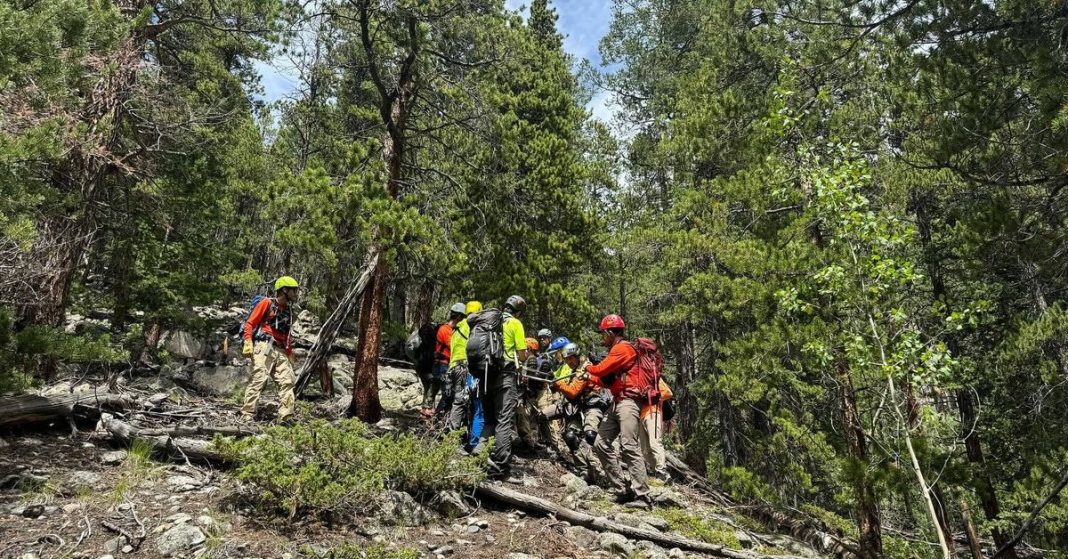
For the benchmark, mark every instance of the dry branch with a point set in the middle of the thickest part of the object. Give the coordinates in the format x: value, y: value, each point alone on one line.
x: 602, y: 524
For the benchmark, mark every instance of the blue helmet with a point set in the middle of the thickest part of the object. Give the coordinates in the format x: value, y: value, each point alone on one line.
x: 559, y: 343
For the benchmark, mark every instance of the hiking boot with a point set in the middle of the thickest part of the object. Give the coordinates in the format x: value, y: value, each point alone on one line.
x: 287, y: 421
x: 625, y: 497
x: 663, y: 476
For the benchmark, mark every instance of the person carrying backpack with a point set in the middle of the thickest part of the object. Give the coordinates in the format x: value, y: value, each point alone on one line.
x: 495, y: 350
x: 580, y: 409
x: 622, y: 373
x: 652, y: 433
x: 442, y: 355
x: 269, y: 345
x: 458, y: 378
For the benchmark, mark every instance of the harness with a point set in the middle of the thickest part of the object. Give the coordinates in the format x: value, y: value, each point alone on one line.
x: 278, y: 321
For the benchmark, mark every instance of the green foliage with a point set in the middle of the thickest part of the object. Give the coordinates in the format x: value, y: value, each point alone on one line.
x: 335, y: 469
x: 707, y: 530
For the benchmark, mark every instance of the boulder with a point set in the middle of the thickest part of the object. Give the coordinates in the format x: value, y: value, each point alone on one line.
x: 615, y: 543
x: 574, y: 483
x: 581, y: 536
x: 79, y: 481
x: 397, y: 508
x: 393, y: 378
x: 306, y: 327
x: 179, y: 539
x: 183, y: 345
x: 222, y: 380
x: 451, y: 504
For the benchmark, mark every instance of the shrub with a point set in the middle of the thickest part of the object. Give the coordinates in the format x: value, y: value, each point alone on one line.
x: 377, y: 551
x: 338, y: 469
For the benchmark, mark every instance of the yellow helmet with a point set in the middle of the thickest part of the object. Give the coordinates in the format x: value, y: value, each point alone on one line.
x: 473, y: 306
x: 285, y: 281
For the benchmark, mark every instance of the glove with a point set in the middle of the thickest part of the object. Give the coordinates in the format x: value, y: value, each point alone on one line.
x: 246, y: 349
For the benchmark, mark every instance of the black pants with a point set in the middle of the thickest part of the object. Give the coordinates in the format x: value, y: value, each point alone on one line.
x: 502, y: 395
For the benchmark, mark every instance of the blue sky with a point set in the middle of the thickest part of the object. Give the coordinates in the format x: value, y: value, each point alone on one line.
x: 582, y: 22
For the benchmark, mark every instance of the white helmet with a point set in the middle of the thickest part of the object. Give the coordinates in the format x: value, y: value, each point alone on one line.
x: 571, y: 350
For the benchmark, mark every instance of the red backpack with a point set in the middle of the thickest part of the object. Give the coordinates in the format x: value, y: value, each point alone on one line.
x: 642, y: 381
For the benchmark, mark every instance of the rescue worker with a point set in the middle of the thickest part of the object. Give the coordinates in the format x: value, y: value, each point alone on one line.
x: 545, y: 338
x: 623, y: 420
x: 501, y: 392
x: 442, y: 355
x: 533, y: 378
x: 457, y: 409
x: 269, y: 345
x: 652, y: 433
x: 580, y: 410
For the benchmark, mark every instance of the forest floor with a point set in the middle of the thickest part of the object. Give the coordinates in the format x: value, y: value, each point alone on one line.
x: 81, y: 495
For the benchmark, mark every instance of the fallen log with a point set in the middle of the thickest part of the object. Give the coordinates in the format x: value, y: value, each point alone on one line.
x: 809, y: 530
x: 166, y: 445
x: 33, y: 407
x: 328, y: 332
x: 602, y: 524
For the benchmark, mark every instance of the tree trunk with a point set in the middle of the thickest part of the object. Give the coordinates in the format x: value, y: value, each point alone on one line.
x: 424, y: 304
x: 974, y: 544
x: 365, y: 404
x: 982, y: 483
x: 866, y: 506
x: 686, y: 404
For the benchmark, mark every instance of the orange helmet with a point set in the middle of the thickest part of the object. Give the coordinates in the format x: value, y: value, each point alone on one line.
x: 532, y: 344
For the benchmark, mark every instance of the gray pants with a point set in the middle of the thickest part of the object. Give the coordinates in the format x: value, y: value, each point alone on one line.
x: 500, y: 402
x: 623, y: 421
x: 457, y: 412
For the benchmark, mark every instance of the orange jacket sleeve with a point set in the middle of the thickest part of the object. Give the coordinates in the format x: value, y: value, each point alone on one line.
x: 620, y: 359
x: 571, y: 388
x: 259, y: 312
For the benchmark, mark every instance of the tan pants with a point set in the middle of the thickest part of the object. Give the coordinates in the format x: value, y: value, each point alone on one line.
x: 268, y: 362
x: 652, y: 445
x: 622, y: 422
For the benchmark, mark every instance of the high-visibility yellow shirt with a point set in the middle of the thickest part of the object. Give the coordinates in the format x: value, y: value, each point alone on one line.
x: 458, y: 343
x: 515, y: 338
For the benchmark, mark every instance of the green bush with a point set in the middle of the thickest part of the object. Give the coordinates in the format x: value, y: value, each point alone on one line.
x: 339, y: 469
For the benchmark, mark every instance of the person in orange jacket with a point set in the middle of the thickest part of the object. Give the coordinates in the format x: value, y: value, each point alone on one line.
x: 581, y: 408
x: 623, y: 421
x: 268, y: 344
x: 652, y: 431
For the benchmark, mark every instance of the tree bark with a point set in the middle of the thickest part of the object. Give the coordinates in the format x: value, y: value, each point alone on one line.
x: 18, y: 410
x: 602, y: 524
x: 365, y: 403
x: 866, y: 507
x: 424, y: 304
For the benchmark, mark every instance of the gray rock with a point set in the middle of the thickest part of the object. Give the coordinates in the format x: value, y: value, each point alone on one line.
x: 127, y: 548
x: 650, y: 550
x: 4, y: 444
x: 665, y: 497
x: 573, y: 483
x: 581, y: 536
x: 71, y: 507
x: 114, y: 457
x: 444, y: 550
x: 392, y: 378
x: 222, y: 380
x: 306, y: 327
x: 615, y: 543
x: 676, y: 553
x: 647, y: 521
x: 108, y: 556
x: 33, y: 511
x: 184, y: 345
x: 397, y: 508
x: 81, y: 480
x: 451, y: 504
x: 744, y: 538
x: 183, y: 483
x: 473, y: 529
x: 516, y: 555
x: 179, y: 539
x: 114, y: 544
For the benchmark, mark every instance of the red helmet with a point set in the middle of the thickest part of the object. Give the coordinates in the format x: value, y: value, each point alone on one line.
x: 612, y: 321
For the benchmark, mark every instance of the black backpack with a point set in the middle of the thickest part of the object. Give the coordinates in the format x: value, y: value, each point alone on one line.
x: 485, y: 345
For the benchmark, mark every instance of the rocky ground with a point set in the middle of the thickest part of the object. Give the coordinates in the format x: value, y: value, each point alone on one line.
x: 65, y: 494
